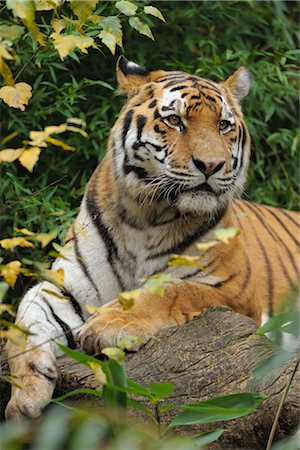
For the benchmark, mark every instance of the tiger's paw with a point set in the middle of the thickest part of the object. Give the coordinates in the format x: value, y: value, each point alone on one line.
x: 35, y: 373
x: 111, y: 325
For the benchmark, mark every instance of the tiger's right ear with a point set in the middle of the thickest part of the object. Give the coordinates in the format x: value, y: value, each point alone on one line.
x: 130, y: 76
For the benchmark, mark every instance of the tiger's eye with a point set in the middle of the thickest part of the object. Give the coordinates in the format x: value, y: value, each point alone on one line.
x: 173, y: 119
x: 223, y: 124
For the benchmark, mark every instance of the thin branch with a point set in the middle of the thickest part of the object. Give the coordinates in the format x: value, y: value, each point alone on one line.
x: 280, y: 406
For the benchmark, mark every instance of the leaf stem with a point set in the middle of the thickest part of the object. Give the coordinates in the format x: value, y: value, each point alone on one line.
x: 158, y: 419
x: 280, y: 406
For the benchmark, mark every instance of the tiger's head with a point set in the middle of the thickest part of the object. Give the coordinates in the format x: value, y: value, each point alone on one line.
x: 181, y: 139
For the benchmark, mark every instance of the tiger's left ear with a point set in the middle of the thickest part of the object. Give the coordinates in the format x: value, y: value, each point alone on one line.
x: 130, y: 75
x: 239, y: 83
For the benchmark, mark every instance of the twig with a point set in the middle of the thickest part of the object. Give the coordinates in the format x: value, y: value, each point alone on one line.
x: 280, y: 406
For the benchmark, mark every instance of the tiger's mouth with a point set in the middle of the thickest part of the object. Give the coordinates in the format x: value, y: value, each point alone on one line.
x: 204, y: 187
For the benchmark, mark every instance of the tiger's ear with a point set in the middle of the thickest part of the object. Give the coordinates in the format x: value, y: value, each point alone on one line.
x: 239, y: 83
x: 130, y: 75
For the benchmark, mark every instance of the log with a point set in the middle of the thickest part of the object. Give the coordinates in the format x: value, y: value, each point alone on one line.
x: 211, y: 356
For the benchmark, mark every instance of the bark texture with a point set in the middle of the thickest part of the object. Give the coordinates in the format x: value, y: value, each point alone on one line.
x: 210, y: 356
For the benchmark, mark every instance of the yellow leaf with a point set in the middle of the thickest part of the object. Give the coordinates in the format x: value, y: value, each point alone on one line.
x: 224, y: 234
x: 184, y: 260
x: 16, y: 96
x: 127, y: 298
x: 76, y: 121
x: 46, y: 238
x: 4, y: 50
x: 65, y: 44
x: 98, y: 372
x: 83, y: 8
x: 64, y: 252
x: 55, y: 129
x: 7, y: 308
x: 46, y: 5
x: 91, y: 309
x: 11, y: 243
x: 114, y: 353
x: 10, y: 272
x: 77, y: 130
x: 16, y: 337
x: 30, y: 157
x: 24, y: 231
x: 207, y: 245
x: 6, y: 73
x: 155, y: 284
x: 127, y: 342
x: 56, y: 294
x: 58, y: 25
x: 25, y: 10
x: 112, y: 25
x: 154, y: 12
x: 59, y: 143
x: 38, y: 138
x: 10, y: 154
x: 55, y: 276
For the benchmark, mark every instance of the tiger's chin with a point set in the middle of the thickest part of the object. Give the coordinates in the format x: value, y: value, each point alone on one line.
x: 201, y: 204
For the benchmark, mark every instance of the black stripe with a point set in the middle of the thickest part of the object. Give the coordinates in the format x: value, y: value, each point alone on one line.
x: 152, y: 104
x: 76, y: 306
x: 126, y: 124
x: 202, y: 230
x: 227, y: 280
x: 141, y: 121
x: 282, y: 225
x: 111, y: 248
x: 269, y: 280
x: 178, y: 88
x: 65, y: 327
x: 83, y: 266
x: 286, y: 214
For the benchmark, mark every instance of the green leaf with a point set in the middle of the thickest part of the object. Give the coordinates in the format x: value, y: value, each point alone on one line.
x: 117, y: 354
x: 154, y: 12
x: 112, y: 25
x: 208, y: 437
x: 287, y: 322
x: 127, y: 8
x: 79, y: 391
x: 3, y: 290
x: 273, y: 362
x: 218, y: 409
x: 11, y: 32
x: 161, y: 390
x: 141, y: 27
x: 83, y: 8
x: 80, y: 357
x: 140, y: 407
x: 109, y: 40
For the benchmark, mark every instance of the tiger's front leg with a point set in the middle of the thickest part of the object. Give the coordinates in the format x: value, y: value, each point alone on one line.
x: 182, y: 301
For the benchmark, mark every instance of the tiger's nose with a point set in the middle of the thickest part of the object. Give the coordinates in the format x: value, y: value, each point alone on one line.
x: 209, y: 166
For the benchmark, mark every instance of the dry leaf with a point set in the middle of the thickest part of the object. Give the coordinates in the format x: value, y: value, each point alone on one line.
x: 207, y: 245
x: 10, y: 272
x: 127, y: 298
x: 56, y: 277
x: 11, y: 243
x: 46, y: 238
x: 184, y: 260
x: 114, y: 353
x: 98, y: 372
x: 10, y: 154
x: 30, y: 157
x: 224, y: 234
x: 16, y: 96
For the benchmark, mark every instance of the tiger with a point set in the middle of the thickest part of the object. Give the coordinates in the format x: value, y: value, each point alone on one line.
x: 175, y: 170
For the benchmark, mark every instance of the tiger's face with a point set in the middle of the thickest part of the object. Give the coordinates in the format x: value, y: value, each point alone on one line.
x: 181, y: 139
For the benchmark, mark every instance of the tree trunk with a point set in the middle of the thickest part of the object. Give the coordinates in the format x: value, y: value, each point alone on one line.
x: 210, y: 356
